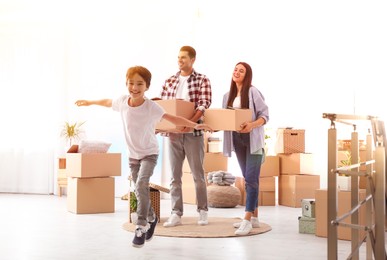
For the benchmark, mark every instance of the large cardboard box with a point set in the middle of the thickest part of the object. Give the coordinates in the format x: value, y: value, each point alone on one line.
x: 90, y: 195
x: 175, y: 107
x: 297, y: 163
x: 227, y: 119
x: 290, y: 141
x: 293, y: 188
x: 344, y: 206
x: 271, y: 166
x: 86, y: 165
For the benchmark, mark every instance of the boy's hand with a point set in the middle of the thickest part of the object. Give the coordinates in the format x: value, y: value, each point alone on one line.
x: 203, y: 127
x: 82, y: 103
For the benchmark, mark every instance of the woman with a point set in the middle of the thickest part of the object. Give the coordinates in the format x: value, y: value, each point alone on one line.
x: 247, y: 143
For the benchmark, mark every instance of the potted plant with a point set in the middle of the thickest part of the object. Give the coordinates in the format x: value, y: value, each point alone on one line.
x: 72, y: 132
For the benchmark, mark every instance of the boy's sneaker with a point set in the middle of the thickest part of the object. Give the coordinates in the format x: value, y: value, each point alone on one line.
x: 254, y: 222
x: 244, y: 228
x: 151, y: 229
x: 139, y: 236
x: 203, y: 218
x: 174, y: 220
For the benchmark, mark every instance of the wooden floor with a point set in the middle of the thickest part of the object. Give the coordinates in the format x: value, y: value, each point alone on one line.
x: 37, y: 227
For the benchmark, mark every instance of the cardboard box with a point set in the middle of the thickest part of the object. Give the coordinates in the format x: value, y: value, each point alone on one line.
x: 90, y: 195
x: 306, y: 225
x: 293, y: 188
x: 267, y: 184
x: 308, y: 208
x: 290, y: 141
x: 271, y: 166
x: 175, y: 107
x: 296, y: 163
x: 344, y: 206
x: 266, y: 198
x: 227, y: 119
x: 188, y: 188
x: 86, y: 165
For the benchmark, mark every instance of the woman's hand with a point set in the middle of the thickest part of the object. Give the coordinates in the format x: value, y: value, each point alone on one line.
x: 247, y: 127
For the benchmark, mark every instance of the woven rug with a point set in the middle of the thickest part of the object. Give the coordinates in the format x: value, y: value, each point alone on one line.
x: 217, y: 227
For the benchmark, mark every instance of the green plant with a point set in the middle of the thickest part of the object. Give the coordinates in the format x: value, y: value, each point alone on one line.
x: 72, y: 132
x: 132, y: 202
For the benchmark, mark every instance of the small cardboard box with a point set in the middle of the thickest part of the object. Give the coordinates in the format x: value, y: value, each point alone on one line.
x: 86, y: 165
x: 343, y: 206
x: 297, y: 163
x: 227, y: 119
x: 306, y: 225
x: 290, y: 141
x: 176, y: 107
x: 90, y: 195
x: 293, y: 188
x: 271, y: 166
x: 308, y: 208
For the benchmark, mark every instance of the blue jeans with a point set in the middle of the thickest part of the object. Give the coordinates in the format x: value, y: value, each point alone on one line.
x: 250, y: 165
x: 141, y: 171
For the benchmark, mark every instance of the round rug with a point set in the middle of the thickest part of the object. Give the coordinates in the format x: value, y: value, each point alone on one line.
x: 217, y: 227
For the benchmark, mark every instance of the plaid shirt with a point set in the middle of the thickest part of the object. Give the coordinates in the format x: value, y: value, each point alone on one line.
x: 199, y: 92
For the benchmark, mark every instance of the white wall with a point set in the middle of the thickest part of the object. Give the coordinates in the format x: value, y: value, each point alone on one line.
x: 308, y: 57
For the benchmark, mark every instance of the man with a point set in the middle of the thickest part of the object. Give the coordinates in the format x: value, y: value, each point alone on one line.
x: 191, y: 86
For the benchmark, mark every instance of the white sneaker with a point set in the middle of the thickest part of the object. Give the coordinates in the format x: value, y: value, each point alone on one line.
x: 173, y: 220
x: 244, y: 228
x: 203, y: 217
x: 254, y: 222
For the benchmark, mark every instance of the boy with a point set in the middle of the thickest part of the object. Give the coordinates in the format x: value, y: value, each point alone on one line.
x: 139, y: 117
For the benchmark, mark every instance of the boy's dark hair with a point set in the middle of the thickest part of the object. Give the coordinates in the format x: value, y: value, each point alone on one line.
x: 142, y: 71
x: 191, y: 51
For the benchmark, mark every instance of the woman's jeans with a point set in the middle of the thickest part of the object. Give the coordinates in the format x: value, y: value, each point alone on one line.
x: 250, y: 165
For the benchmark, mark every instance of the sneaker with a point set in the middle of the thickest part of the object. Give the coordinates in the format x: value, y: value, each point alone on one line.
x: 203, y: 218
x: 254, y: 222
x: 139, y: 236
x: 151, y: 229
x: 174, y: 220
x: 244, y: 228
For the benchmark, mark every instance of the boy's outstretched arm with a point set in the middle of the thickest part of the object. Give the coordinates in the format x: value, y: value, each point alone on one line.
x: 181, y: 121
x: 101, y: 102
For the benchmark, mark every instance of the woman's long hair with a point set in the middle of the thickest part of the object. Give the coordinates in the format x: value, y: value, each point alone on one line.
x: 245, y: 87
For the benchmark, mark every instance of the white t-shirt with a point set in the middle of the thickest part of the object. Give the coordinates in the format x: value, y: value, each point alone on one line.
x: 237, y: 102
x: 182, y: 88
x: 139, y: 126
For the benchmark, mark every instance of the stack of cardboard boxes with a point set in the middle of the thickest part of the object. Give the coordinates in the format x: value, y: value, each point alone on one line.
x: 297, y: 178
x: 90, y: 182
